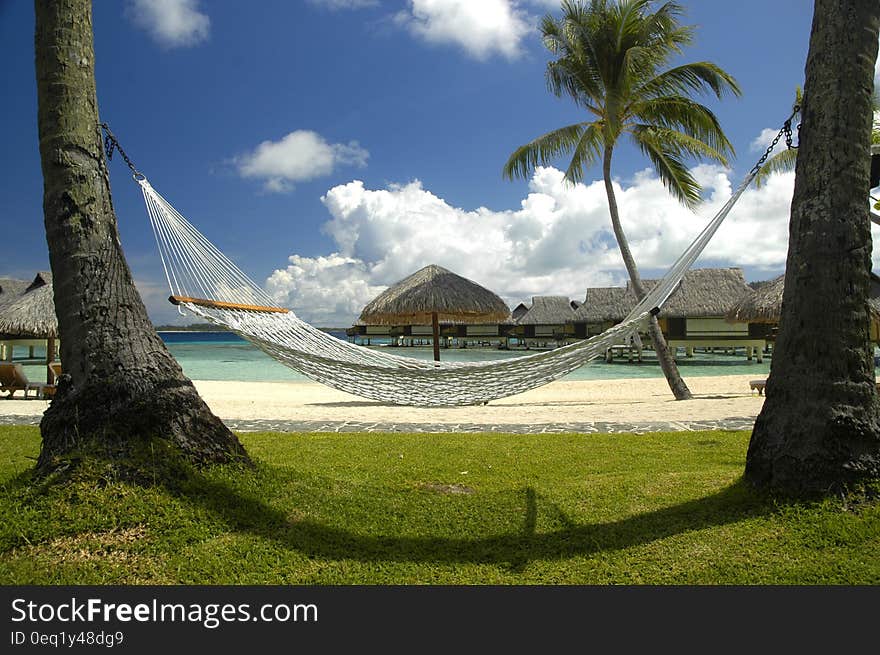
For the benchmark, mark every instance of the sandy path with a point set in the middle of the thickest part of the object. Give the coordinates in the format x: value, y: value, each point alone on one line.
x: 614, y: 401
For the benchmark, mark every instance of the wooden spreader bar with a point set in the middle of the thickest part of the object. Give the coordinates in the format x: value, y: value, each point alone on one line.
x: 217, y: 304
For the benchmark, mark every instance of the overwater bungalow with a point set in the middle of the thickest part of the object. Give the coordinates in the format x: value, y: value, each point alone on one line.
x: 452, y: 334
x: 518, y: 311
x: 28, y: 320
x: 694, y: 317
x: 433, y: 305
x: 602, y: 308
x: 548, y: 322
x: 10, y: 289
x: 762, y: 309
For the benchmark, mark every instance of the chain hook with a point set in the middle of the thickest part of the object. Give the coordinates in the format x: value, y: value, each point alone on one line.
x: 111, y: 144
x: 787, y: 127
x: 786, y: 132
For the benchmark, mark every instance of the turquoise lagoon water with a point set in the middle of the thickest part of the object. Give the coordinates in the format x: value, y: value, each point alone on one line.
x: 225, y: 356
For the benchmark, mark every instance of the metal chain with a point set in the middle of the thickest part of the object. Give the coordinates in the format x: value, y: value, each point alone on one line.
x: 787, y: 128
x: 111, y: 144
x: 786, y: 132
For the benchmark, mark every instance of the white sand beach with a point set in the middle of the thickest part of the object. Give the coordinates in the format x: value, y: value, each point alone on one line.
x: 609, y: 401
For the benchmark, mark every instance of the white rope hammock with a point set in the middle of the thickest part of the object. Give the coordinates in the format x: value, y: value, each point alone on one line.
x: 204, y: 281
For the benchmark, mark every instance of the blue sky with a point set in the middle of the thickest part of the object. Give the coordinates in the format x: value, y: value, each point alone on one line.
x: 332, y: 147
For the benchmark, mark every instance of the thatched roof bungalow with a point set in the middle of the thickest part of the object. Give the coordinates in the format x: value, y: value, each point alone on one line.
x: 703, y: 292
x: 434, y: 290
x: 697, y: 308
x: 548, y: 316
x: 605, y: 305
x: 10, y: 289
x: 433, y: 296
x: 29, y: 319
x: 32, y: 314
x: 706, y: 292
x: 518, y: 311
x: 547, y: 310
x: 764, y: 305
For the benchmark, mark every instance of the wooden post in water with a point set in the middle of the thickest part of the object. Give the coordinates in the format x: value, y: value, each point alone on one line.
x: 435, y: 324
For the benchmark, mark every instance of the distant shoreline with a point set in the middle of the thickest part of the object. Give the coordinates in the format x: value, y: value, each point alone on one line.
x: 210, y: 327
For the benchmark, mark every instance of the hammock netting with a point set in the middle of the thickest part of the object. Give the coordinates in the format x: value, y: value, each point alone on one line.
x: 195, y: 269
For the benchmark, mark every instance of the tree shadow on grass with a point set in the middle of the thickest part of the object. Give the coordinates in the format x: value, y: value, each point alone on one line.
x: 512, y: 550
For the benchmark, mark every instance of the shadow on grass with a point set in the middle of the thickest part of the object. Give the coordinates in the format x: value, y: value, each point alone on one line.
x: 513, y: 550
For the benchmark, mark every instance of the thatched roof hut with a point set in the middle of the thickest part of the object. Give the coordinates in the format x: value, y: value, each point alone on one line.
x: 605, y: 305
x: 548, y: 310
x: 10, y: 289
x: 703, y: 292
x: 518, y: 311
x: 32, y: 314
x: 706, y: 292
x: 433, y: 289
x: 764, y: 305
x: 434, y: 295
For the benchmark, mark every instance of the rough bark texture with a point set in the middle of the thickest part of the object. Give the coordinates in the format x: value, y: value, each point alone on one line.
x: 818, y: 431
x: 121, y: 388
x: 664, y: 356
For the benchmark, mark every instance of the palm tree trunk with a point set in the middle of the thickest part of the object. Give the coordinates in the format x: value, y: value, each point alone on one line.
x: 819, y: 428
x: 664, y: 356
x: 121, y: 393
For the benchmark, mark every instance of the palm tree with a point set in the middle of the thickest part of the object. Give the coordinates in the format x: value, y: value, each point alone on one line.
x: 819, y: 428
x: 122, y: 396
x: 611, y: 59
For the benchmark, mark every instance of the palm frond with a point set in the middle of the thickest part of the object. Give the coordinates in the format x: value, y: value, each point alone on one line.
x: 586, y: 153
x: 672, y: 170
x: 684, y: 115
x: 543, y: 150
x: 696, y: 77
x: 680, y: 144
x: 612, y: 58
x: 782, y: 162
x: 661, y: 31
x: 576, y: 72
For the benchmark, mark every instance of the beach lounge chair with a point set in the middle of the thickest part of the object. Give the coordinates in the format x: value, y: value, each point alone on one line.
x: 13, y: 378
x: 757, y: 385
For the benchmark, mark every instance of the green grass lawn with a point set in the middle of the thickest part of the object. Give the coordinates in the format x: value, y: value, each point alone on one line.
x: 662, y: 508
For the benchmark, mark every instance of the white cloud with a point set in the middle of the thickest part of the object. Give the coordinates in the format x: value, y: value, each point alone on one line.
x: 299, y: 156
x: 482, y: 28
x: 325, y: 289
x: 761, y: 142
x: 173, y: 23
x: 333, y: 5
x: 558, y: 242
